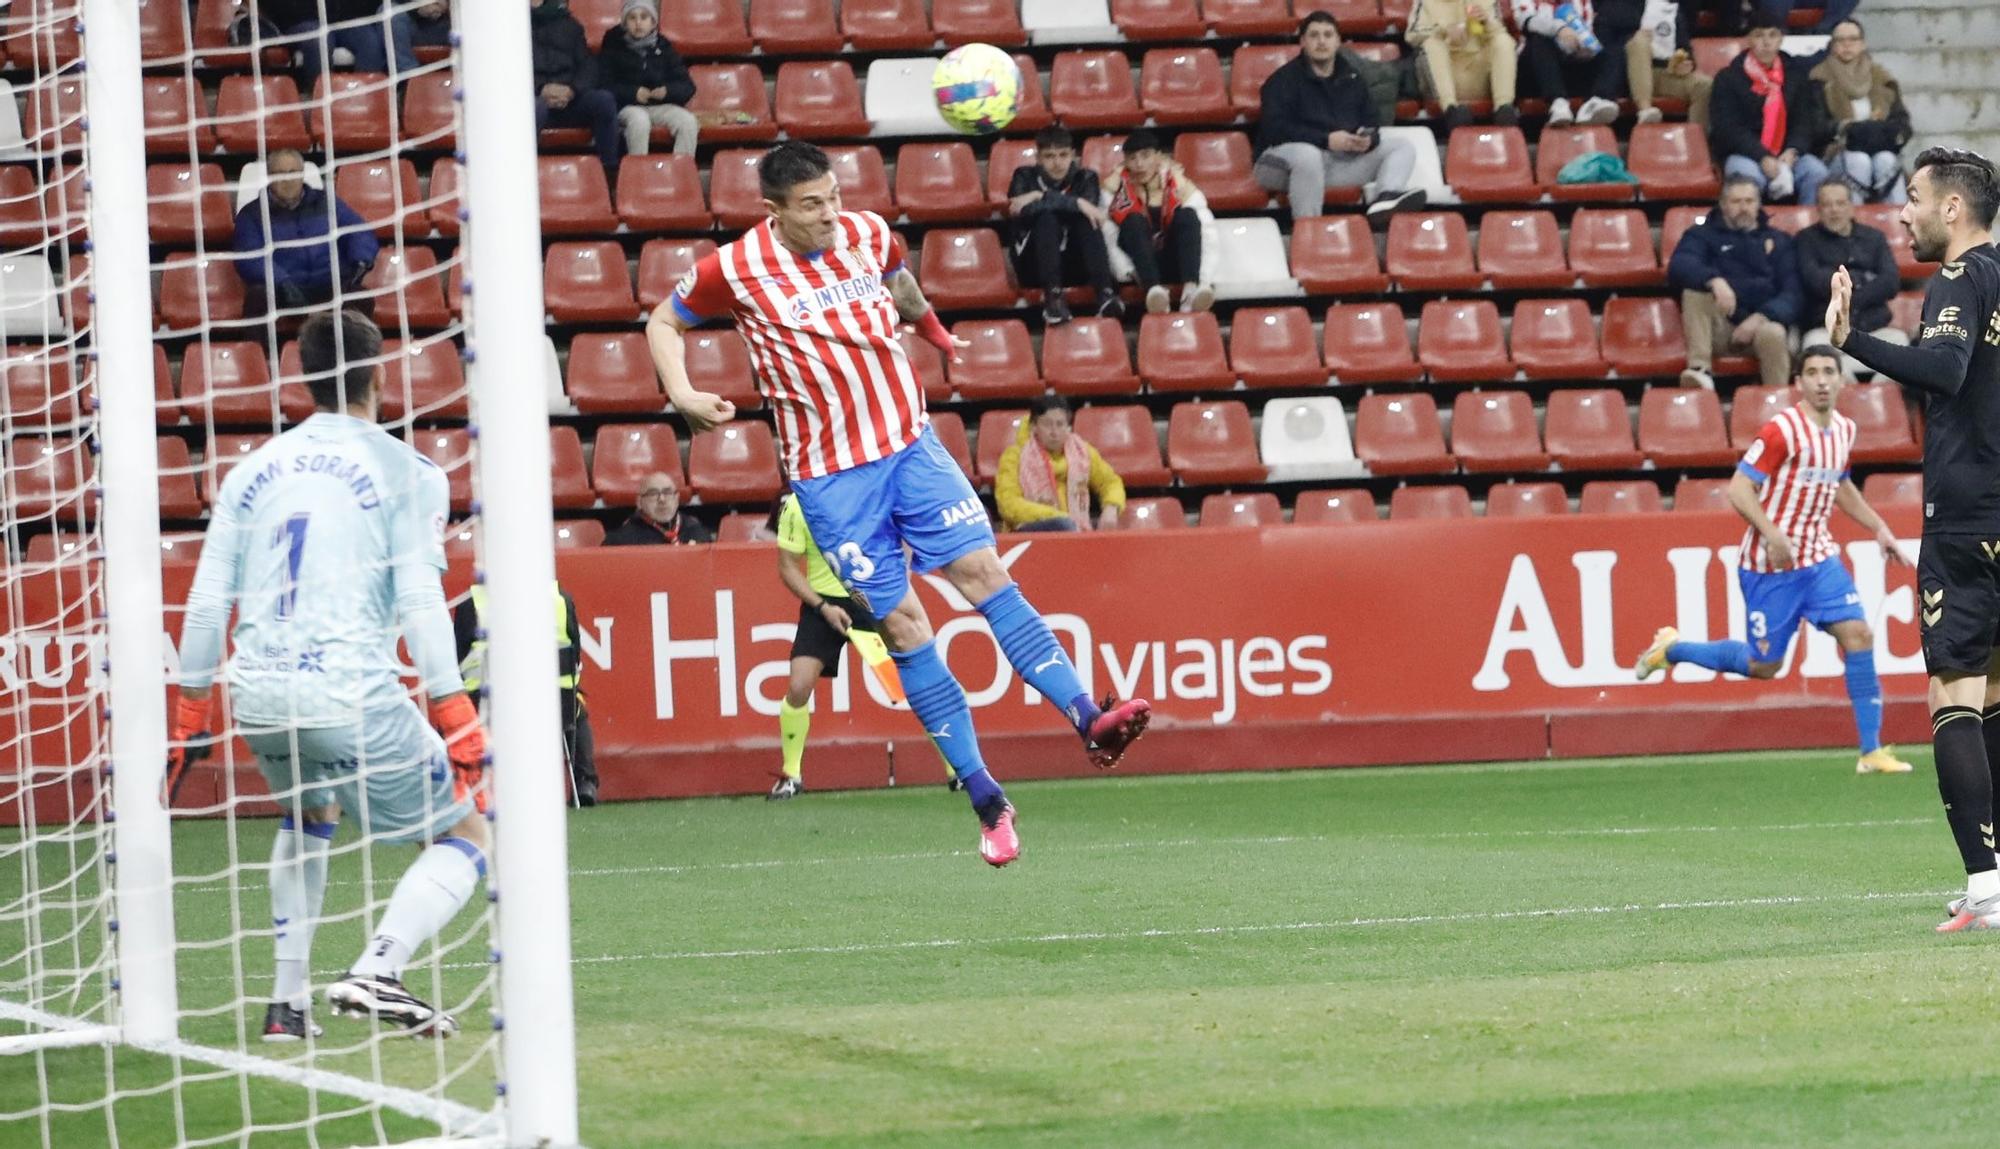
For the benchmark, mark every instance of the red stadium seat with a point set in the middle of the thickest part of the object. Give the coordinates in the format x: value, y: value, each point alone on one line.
x: 1251, y: 66
x: 1184, y: 86
x: 1894, y: 489
x: 886, y: 25
x: 1229, y: 18
x: 1007, y: 157
x: 964, y: 268
x: 1415, y: 503
x: 1275, y: 347
x: 578, y: 534
x: 996, y: 22
x: 1087, y: 356
x: 166, y: 408
x: 743, y: 527
x: 1883, y: 218
x: 1643, y: 337
x: 1558, y: 146
x: 1489, y: 165
x: 430, y: 113
x: 731, y: 99
x: 195, y: 292
x: 1753, y: 405
x: 732, y: 188
x: 259, y: 114
x: 1714, y: 53
x: 1219, y: 164
x: 63, y: 205
x: 612, y: 373
x: 1883, y: 433
x: 1678, y: 220
x: 735, y: 463
x: 721, y: 362
x: 354, y: 111
x: 597, y: 18
x: 1126, y: 439
x: 576, y: 198
x: 1461, y: 342
x: 820, y: 100
x: 1400, y: 435
x: 662, y: 263
x: 1258, y: 509
x: 1522, y: 250
x: 625, y: 453
x: 384, y: 194
x: 1431, y: 251
x: 1368, y: 343
x: 1791, y: 218
x: 662, y: 193
x: 1103, y: 154
x: 54, y: 120
x: 77, y: 275
x: 225, y: 451
x: 163, y: 30
x: 230, y: 384
x: 1620, y: 497
x: 1183, y: 352
x: 1160, y: 513
x: 1613, y: 248
x: 999, y: 364
x: 42, y: 388
x: 928, y: 364
x: 997, y: 429
x: 939, y: 183
x: 1554, y: 339
x: 186, y: 202
x: 1683, y: 427
x: 1525, y: 500
x: 1158, y: 19
x: 1213, y: 445
x: 1324, y: 507
x: 1672, y: 162
x: 950, y: 430
x: 1906, y: 312
x: 1093, y: 89
x: 587, y: 283
x: 48, y: 476
x: 1335, y: 254
x: 443, y: 212
x: 1495, y: 431
x: 423, y: 379
x: 1692, y: 495
x: 179, y: 497
x: 864, y: 181
x: 795, y: 27
x: 569, y: 483
x: 1590, y: 430
x: 705, y: 27
x: 176, y: 118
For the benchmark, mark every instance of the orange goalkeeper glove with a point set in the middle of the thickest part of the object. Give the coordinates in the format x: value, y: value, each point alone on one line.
x: 188, y: 740
x: 455, y: 717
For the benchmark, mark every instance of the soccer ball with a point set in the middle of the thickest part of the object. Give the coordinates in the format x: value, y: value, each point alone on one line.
x: 978, y: 88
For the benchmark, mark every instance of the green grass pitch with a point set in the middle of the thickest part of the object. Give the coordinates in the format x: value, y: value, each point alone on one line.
x: 1722, y: 950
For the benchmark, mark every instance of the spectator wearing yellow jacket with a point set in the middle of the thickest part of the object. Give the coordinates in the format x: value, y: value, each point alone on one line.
x: 1047, y: 478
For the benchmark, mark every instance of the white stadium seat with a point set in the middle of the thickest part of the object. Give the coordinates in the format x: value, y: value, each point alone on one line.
x: 898, y: 100
x: 28, y: 299
x: 1307, y: 438
x: 1250, y: 260
x: 1069, y: 21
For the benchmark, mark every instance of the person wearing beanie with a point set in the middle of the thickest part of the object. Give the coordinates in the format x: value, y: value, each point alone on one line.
x: 649, y: 80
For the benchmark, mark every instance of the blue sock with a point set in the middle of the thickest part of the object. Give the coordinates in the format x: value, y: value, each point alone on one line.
x: 1727, y: 654
x: 1864, y: 691
x: 939, y: 703
x: 1032, y: 649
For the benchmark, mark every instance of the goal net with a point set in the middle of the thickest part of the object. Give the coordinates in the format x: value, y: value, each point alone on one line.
x: 181, y: 187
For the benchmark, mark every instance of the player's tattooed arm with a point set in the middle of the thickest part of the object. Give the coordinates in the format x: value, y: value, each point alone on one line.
x: 910, y: 301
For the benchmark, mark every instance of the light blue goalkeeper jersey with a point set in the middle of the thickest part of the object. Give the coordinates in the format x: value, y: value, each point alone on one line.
x: 326, y: 539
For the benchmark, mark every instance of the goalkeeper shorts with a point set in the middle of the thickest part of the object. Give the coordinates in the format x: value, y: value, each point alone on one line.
x: 389, y: 772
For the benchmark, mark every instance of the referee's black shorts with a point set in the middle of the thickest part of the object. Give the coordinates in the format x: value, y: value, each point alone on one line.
x: 1958, y: 602
x: 816, y: 638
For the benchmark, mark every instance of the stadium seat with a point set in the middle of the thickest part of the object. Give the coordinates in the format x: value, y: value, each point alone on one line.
x: 1275, y: 347
x: 732, y: 188
x: 1714, y: 53
x: 1882, y: 433
x: 354, y: 111
x: 1369, y: 343
x: 1093, y: 89
x: 735, y: 463
x: 1620, y: 497
x: 41, y: 387
x: 964, y: 268
x: 1183, y: 86
x: 1791, y: 218
x: 659, y: 192
x: 1159, y: 20
x: 1613, y: 248
x: 1219, y: 164
x: 54, y: 123
x: 819, y: 100
x: 743, y: 527
x: 1306, y: 438
x: 1525, y: 500
x: 999, y: 364
x: 928, y: 364
x: 49, y: 477
x: 1675, y: 224
x: 186, y: 202
x: 229, y: 384
x: 996, y: 22
x: 1643, y: 337
x: 1322, y: 508
x: 1087, y: 356
x: 1495, y: 431
x: 1683, y: 427
x: 1894, y: 489
x: 569, y: 483
x: 597, y: 18
x: 1400, y: 435
x: 444, y: 209
x: 22, y: 222
x: 625, y: 453
x: 1250, y: 260
x: 176, y: 119
x: 1227, y: 509
x: 1751, y: 406
x: 1883, y: 218
x: 384, y: 194
x: 198, y: 290
x: 1033, y: 114
x: 163, y: 30
x: 721, y: 361
x: 13, y: 141
x: 731, y: 98
x: 662, y: 263
x: 28, y: 297
x: 1450, y: 501
x: 1103, y: 154
x: 576, y: 198
x: 430, y: 113
x: 612, y: 373
x: 1521, y: 251
x: 256, y: 115
x: 223, y: 452
x: 1253, y: 64
x: 1212, y: 444
x: 578, y: 534
x: 587, y: 283
x: 179, y: 496
x: 1589, y: 430
x: 899, y: 98
x: 864, y: 180
x: 1672, y: 162
x: 1126, y: 439
x: 1691, y: 494
x: 1460, y: 342
x: 423, y: 379
x: 1558, y: 146
x: 1260, y: 18
x: 1555, y: 339
x: 705, y: 27
x: 1906, y: 312
x: 1159, y: 513
x: 1364, y: 17
x: 886, y: 25
x: 1335, y: 255
x: 1068, y: 21
x: 64, y: 204
x: 997, y: 430
x: 939, y: 183
x: 166, y: 408
x: 795, y: 27
x: 950, y: 429
x: 1182, y: 351
x: 1431, y: 251
x: 1007, y: 157
x: 1489, y: 165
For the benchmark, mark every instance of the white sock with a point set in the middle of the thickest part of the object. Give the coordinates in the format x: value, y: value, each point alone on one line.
x: 429, y: 895
x: 298, y: 889
x: 1982, y: 885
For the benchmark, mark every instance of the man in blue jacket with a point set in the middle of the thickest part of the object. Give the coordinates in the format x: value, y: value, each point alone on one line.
x: 1318, y: 127
x: 287, y: 249
x: 1739, y: 281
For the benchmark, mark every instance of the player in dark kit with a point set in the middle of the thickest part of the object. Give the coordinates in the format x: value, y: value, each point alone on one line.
x: 1955, y: 367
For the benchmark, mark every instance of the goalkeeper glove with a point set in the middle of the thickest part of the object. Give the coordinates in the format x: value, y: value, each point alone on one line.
x: 457, y: 719
x: 189, y: 741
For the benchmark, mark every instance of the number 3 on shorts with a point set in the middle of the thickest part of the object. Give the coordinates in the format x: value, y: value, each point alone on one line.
x: 849, y: 563
x: 1758, y: 628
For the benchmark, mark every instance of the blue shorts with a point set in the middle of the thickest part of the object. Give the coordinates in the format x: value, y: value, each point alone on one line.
x: 389, y: 772
x: 861, y: 517
x: 1773, y: 604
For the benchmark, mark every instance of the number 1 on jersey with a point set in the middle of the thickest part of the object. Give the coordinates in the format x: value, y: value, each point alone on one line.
x: 290, y: 534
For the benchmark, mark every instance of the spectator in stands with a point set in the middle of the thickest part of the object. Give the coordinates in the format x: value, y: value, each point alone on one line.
x: 568, y: 93
x: 1658, y: 62
x: 1469, y: 55
x: 288, y: 251
x: 1571, y: 51
x: 649, y: 81
x: 1320, y: 127
x: 1866, y: 105
x: 1054, y: 202
x: 657, y: 520
x: 1764, y: 119
x: 1837, y: 241
x: 1047, y: 478
x: 372, y: 42
x: 1739, y: 281
x: 430, y: 25
x: 1158, y: 213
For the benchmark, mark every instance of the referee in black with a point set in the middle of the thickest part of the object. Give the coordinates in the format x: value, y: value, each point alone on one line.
x: 1955, y: 367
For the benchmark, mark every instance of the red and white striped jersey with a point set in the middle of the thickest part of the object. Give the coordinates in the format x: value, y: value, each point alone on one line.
x: 821, y: 332
x: 1801, y: 468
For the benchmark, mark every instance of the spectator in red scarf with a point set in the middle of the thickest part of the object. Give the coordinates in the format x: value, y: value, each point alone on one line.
x: 1047, y: 478
x: 1763, y: 118
x: 658, y: 519
x: 1156, y: 209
